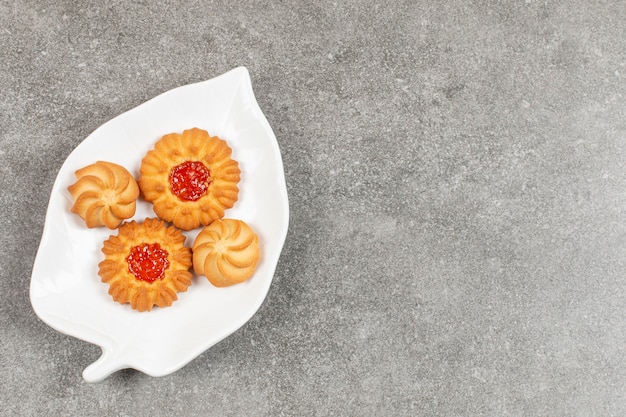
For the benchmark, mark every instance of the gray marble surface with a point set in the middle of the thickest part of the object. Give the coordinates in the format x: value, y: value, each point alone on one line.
x: 457, y: 190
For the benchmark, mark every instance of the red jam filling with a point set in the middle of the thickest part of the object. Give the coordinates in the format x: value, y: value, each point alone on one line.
x: 190, y: 180
x: 148, y: 262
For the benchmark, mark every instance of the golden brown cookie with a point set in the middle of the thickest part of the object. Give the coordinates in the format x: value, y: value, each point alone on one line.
x: 105, y: 194
x: 190, y: 178
x: 226, y: 252
x: 146, y: 264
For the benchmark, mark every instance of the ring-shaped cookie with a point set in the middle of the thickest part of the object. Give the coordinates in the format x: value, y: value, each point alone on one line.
x: 146, y: 264
x: 190, y: 178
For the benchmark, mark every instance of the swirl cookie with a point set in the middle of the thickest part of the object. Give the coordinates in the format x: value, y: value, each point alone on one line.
x: 146, y: 264
x: 104, y: 194
x: 226, y: 252
x: 190, y: 178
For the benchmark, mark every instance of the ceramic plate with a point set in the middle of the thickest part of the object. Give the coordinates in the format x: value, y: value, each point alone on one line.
x: 66, y: 291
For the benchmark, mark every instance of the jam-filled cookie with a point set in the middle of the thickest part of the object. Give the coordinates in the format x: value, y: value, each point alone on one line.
x: 146, y: 264
x: 190, y: 178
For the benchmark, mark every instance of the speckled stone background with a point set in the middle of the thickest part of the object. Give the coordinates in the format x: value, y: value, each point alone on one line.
x: 456, y: 174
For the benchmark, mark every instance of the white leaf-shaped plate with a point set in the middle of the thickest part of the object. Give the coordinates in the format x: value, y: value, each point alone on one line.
x: 66, y: 291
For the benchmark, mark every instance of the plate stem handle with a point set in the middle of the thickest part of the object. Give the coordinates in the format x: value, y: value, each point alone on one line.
x: 102, y: 368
